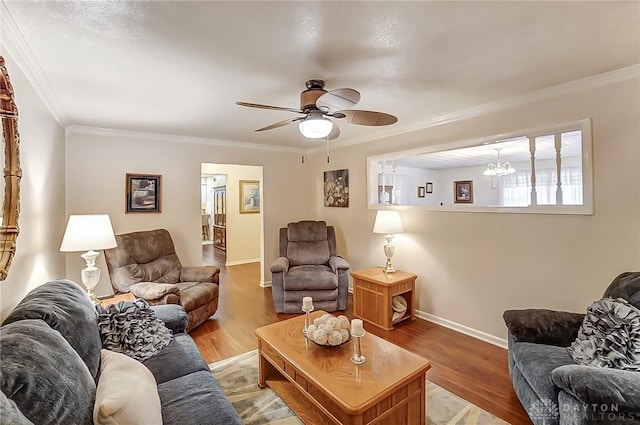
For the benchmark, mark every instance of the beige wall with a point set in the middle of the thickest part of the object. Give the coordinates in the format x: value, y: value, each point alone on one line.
x: 97, y: 162
x: 243, y: 230
x: 41, y: 221
x: 473, y: 266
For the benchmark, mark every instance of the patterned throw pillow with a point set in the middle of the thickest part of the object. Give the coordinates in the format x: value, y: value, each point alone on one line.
x: 609, y: 336
x: 132, y: 328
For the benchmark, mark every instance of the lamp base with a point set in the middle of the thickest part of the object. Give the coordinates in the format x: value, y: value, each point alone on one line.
x: 388, y: 267
x: 90, y: 275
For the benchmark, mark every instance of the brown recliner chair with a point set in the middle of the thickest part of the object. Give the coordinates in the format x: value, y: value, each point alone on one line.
x: 145, y: 264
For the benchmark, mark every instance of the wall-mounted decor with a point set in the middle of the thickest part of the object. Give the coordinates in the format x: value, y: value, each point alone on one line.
x: 429, y: 187
x: 420, y: 191
x: 143, y: 193
x: 249, y: 196
x: 336, y: 188
x: 463, y: 192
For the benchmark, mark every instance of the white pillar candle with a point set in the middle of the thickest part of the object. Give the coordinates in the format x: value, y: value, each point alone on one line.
x: 356, y: 327
x: 307, y: 303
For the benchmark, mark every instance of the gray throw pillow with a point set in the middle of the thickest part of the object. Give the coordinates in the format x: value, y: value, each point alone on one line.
x: 132, y: 328
x: 10, y: 414
x: 609, y: 336
x: 44, y: 376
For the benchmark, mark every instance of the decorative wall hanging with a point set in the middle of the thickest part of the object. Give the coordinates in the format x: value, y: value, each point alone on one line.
x: 336, y: 188
x: 249, y: 196
x: 420, y: 191
x: 463, y: 192
x: 143, y: 193
x: 429, y: 187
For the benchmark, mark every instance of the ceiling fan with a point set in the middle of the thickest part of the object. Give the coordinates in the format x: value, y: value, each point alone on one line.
x: 319, y: 107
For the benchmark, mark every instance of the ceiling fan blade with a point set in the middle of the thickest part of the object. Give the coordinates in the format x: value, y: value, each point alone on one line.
x: 275, y: 108
x: 335, y: 132
x: 337, y: 100
x: 369, y: 118
x: 281, y: 123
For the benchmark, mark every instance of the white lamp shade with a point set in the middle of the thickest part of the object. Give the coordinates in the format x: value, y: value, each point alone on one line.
x: 388, y: 222
x: 88, y: 232
x: 315, y: 126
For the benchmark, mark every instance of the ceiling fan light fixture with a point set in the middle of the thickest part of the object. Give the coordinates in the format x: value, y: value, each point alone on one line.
x: 315, y: 126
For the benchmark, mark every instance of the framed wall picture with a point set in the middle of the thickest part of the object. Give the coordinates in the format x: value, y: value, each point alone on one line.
x: 463, y: 192
x: 142, y: 193
x: 429, y: 187
x: 249, y: 196
x: 420, y: 191
x: 336, y: 188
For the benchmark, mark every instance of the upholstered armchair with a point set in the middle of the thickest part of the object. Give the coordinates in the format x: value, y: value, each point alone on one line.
x: 145, y: 264
x: 309, y: 267
x: 556, y: 390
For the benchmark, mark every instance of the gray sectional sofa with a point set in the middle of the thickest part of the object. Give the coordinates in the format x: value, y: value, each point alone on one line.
x: 553, y: 388
x: 50, y: 364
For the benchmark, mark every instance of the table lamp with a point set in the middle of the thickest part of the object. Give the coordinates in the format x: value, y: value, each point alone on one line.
x: 88, y: 233
x: 388, y: 222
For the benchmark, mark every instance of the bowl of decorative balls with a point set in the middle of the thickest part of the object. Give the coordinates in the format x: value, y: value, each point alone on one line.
x: 329, y: 330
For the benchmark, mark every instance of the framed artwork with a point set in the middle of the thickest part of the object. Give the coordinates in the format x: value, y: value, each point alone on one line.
x: 142, y: 193
x: 429, y: 187
x: 463, y: 192
x: 420, y: 191
x: 336, y: 188
x: 249, y: 196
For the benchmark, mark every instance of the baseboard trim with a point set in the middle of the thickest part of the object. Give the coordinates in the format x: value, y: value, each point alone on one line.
x: 237, y: 263
x: 265, y: 284
x: 474, y: 333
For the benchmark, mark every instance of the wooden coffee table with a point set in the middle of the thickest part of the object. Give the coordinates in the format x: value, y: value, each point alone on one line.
x: 323, y: 386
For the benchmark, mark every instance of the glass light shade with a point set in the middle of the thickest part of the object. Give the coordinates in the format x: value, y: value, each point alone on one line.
x: 388, y: 222
x: 88, y: 232
x: 315, y: 126
x: 499, y: 169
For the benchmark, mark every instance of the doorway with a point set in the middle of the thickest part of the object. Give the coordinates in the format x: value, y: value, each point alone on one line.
x: 235, y: 232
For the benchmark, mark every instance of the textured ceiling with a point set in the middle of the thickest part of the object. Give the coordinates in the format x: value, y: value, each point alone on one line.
x: 178, y: 67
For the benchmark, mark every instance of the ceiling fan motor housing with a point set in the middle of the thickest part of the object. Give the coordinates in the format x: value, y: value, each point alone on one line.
x: 308, y: 98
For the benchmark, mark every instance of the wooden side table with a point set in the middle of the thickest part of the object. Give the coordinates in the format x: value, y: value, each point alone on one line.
x: 373, y: 290
x: 115, y: 299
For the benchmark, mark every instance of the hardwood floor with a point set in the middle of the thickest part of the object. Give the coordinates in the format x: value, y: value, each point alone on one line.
x: 472, y: 369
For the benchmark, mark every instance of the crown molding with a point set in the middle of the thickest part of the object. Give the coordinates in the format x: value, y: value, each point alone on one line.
x: 593, y: 81
x: 101, y: 131
x: 19, y: 49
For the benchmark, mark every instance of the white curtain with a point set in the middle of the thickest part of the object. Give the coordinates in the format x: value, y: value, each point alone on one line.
x: 515, y: 189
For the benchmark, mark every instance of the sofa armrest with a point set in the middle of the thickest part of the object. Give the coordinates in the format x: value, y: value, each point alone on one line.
x: 173, y: 316
x: 280, y: 265
x: 543, y: 326
x: 199, y: 273
x: 338, y: 263
x: 156, y: 293
x: 600, y: 386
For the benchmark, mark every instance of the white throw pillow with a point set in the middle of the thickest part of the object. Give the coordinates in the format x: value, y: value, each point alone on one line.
x: 127, y: 392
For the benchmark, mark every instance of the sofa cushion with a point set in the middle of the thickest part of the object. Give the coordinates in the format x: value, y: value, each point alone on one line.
x: 307, y: 231
x: 65, y: 307
x: 536, y: 361
x: 196, y: 294
x: 181, y: 357
x: 310, y: 277
x: 626, y: 285
x: 44, y: 375
x: 316, y: 252
x: 9, y: 412
x: 609, y: 336
x: 132, y: 328
x: 127, y: 393
x: 183, y: 400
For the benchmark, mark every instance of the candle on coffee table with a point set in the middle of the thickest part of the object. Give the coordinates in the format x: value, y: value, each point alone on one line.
x: 307, y: 303
x: 357, y: 328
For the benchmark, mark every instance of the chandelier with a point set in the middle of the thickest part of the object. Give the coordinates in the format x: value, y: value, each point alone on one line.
x: 499, y: 168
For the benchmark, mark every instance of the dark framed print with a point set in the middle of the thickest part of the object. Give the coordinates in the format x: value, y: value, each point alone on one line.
x: 463, y: 192
x: 143, y: 193
x: 336, y: 188
x: 420, y: 191
x: 429, y: 187
x: 249, y: 196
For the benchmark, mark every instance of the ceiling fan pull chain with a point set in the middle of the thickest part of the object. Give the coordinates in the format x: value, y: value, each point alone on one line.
x: 327, y: 149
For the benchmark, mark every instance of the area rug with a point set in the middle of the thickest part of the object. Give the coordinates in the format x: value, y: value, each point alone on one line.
x: 238, y: 376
